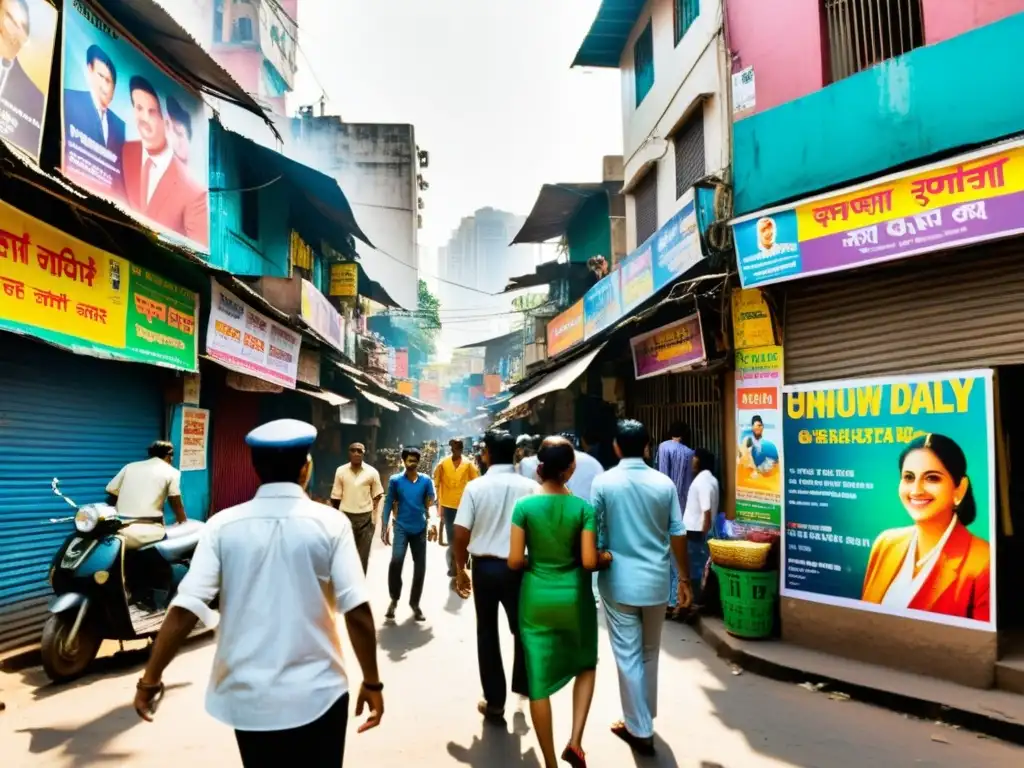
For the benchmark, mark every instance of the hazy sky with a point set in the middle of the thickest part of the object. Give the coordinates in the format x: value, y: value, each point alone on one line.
x: 486, y: 83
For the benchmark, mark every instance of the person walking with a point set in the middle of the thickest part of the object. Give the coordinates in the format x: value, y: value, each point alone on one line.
x: 357, y: 491
x: 699, y: 515
x: 581, y: 484
x: 410, y: 497
x: 557, y: 614
x: 675, y: 460
x: 451, y: 476
x: 483, y: 528
x: 642, y: 529
x: 282, y: 566
x: 528, y: 461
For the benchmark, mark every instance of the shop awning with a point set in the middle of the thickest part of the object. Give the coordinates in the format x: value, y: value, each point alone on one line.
x: 428, y: 418
x: 546, y: 274
x: 558, y: 379
x: 351, y: 371
x: 383, y: 402
x: 326, y: 395
x: 604, y: 43
x: 556, y: 206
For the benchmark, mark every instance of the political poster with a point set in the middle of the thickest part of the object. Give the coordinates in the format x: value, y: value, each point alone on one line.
x: 759, y: 436
x: 132, y: 134
x: 889, y: 501
x: 28, y: 29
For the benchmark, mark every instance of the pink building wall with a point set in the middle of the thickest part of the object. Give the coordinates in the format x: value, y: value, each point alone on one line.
x: 782, y: 40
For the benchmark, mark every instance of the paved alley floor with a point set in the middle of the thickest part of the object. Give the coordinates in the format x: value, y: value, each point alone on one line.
x: 709, y: 716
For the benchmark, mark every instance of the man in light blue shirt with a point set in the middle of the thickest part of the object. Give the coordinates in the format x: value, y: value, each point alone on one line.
x: 640, y: 522
x: 410, y: 496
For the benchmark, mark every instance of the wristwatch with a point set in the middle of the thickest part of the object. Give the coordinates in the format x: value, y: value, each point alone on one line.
x: 373, y: 687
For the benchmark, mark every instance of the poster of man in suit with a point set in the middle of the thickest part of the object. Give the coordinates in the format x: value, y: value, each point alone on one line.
x: 133, y: 134
x: 27, y: 30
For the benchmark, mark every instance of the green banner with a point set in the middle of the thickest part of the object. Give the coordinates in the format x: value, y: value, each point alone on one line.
x: 889, y: 499
x: 161, y: 321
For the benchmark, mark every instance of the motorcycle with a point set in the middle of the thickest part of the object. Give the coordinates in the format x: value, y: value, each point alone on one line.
x: 103, y: 593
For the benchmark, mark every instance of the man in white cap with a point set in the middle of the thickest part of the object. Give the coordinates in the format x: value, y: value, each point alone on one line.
x: 282, y: 565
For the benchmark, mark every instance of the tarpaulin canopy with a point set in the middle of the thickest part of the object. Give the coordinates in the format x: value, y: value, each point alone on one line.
x: 555, y: 207
x: 557, y: 379
x: 383, y: 402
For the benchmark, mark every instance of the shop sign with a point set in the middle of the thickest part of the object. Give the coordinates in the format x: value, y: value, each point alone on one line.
x: 744, y: 91
x: 751, y: 319
x: 637, y: 277
x: 492, y: 384
x: 889, y: 502
x: 190, y: 384
x: 195, y: 433
x: 677, y: 244
x: 309, y: 367
x: 602, y: 305
x: 246, y: 341
x: 402, y: 363
x: 344, y: 280
x: 27, y: 82
x: 66, y: 292
x: 164, y: 116
x: 759, y: 436
x: 670, y: 348
x: 565, y: 330
x: 321, y: 316
x: 430, y: 392
x: 975, y: 198
x: 406, y: 388
x: 349, y: 412
x: 278, y: 35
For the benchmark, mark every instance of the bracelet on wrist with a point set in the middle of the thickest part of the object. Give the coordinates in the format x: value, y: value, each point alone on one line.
x: 373, y: 687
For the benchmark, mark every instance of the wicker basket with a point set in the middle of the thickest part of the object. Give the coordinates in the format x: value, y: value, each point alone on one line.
x: 739, y: 555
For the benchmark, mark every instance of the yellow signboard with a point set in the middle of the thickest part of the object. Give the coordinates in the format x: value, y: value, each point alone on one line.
x: 406, y: 388
x: 751, y: 319
x: 344, y: 279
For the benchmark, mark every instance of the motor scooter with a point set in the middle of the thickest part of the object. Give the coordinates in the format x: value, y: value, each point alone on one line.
x: 101, y: 592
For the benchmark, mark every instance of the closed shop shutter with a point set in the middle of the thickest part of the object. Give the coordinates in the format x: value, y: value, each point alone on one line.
x: 234, y: 479
x: 952, y: 311
x: 694, y: 399
x: 66, y: 416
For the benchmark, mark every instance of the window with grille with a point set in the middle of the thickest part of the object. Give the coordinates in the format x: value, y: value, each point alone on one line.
x: 863, y: 33
x: 643, y: 63
x: 645, y: 197
x: 686, y: 12
x: 689, y: 146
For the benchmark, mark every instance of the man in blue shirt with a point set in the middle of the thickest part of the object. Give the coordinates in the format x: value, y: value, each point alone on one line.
x: 640, y: 522
x: 675, y: 460
x: 410, y: 496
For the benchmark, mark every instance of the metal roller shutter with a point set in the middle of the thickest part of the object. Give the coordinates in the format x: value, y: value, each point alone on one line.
x: 65, y: 416
x: 957, y: 310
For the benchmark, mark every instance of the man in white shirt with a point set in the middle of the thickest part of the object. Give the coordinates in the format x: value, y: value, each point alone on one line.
x: 283, y: 565
x: 357, y: 491
x: 698, y: 517
x: 581, y: 484
x: 139, y: 492
x: 529, y: 462
x: 483, y: 528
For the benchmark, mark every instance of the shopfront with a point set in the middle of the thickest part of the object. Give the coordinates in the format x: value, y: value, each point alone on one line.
x: 914, y: 356
x: 91, y: 345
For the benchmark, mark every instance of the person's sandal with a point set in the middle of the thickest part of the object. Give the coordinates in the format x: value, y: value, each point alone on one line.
x: 574, y: 757
x: 639, y: 745
x: 496, y: 716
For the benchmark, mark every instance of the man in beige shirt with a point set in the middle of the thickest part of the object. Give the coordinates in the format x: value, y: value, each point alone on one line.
x: 139, y: 491
x: 357, y: 492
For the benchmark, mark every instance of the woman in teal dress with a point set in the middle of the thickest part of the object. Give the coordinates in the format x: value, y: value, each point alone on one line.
x: 557, y: 613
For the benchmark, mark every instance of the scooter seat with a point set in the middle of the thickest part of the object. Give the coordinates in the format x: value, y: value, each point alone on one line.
x: 176, y: 550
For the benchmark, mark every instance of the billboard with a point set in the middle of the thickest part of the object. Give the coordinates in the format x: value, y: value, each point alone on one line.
x: 889, y: 501
x: 132, y: 134
x: 27, y: 32
x: 759, y: 435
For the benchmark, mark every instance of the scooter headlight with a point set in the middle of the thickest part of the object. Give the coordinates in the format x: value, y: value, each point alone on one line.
x: 86, y: 519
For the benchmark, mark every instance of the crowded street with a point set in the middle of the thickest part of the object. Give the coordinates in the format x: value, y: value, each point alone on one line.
x: 710, y: 717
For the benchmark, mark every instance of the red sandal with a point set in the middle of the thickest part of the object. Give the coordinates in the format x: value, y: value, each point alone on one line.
x: 577, y: 758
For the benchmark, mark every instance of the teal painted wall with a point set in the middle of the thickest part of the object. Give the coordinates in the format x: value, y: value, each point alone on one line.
x: 590, y: 231
x: 953, y: 94
x: 229, y: 248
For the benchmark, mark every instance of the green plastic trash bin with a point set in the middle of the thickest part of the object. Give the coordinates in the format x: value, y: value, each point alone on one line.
x: 748, y: 601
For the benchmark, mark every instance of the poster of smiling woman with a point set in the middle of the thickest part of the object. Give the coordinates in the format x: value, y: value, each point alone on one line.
x: 889, y: 496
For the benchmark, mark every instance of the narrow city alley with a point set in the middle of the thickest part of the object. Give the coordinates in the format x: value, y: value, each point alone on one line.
x: 709, y: 716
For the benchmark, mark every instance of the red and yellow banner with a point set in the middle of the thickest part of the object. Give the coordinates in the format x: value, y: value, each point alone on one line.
x: 566, y: 330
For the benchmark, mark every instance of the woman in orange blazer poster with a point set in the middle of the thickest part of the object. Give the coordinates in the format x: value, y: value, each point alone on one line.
x: 935, y: 564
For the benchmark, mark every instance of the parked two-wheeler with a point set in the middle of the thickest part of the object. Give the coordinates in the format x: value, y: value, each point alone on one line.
x: 103, y: 592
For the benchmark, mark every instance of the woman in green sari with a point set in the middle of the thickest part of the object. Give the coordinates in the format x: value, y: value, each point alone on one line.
x: 557, y: 613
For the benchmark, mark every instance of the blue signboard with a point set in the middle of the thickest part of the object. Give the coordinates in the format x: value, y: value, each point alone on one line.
x: 677, y: 245
x: 602, y: 305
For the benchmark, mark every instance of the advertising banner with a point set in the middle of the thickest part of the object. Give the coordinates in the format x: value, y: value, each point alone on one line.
x: 975, y: 198
x: 430, y: 392
x: 132, y: 134
x: 406, y: 388
x: 566, y: 330
x: 751, y: 319
x: 321, y: 316
x: 669, y: 348
x: 637, y: 277
x: 492, y: 384
x: 195, y: 433
x: 677, y: 244
x: 759, y: 436
x: 402, y: 363
x: 602, y: 305
x: 344, y: 280
x: 889, y: 501
x: 243, y: 340
x: 28, y: 29
x: 69, y: 293
x: 278, y: 35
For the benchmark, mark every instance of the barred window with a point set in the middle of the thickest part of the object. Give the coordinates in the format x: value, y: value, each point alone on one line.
x: 645, y: 197
x: 863, y: 33
x: 689, y: 147
x: 686, y: 12
x: 643, y: 63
